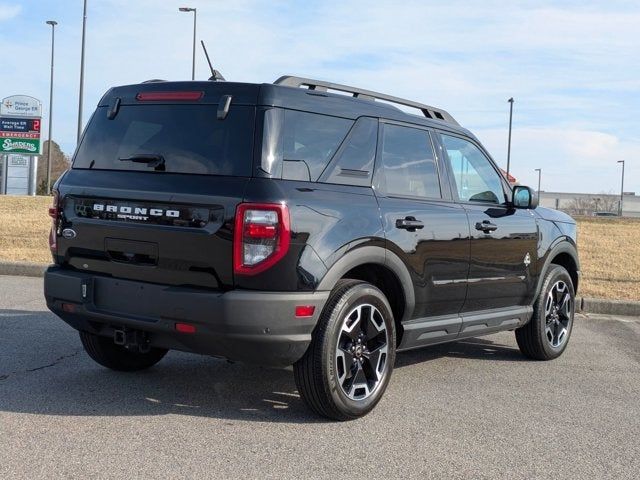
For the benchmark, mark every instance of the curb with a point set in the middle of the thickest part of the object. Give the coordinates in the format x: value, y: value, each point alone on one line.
x: 586, y: 305
x: 610, y: 307
x: 23, y: 269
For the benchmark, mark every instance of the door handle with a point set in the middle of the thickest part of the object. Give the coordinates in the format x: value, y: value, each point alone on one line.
x: 409, y: 223
x: 486, y: 226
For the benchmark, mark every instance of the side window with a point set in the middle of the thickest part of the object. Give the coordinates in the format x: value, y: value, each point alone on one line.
x: 272, y: 141
x: 408, y: 162
x: 310, y: 141
x: 475, y: 177
x: 353, y: 164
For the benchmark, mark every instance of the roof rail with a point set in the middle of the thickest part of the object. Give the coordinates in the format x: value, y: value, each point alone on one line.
x: 427, y: 110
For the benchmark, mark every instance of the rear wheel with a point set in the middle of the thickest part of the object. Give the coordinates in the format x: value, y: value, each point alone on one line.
x: 116, y: 357
x: 546, y: 336
x: 347, y: 367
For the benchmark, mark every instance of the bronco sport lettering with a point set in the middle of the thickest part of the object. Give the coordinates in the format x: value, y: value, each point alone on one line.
x: 156, y: 212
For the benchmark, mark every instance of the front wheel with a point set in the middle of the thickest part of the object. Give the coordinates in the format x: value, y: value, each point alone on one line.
x: 546, y: 336
x: 348, y: 364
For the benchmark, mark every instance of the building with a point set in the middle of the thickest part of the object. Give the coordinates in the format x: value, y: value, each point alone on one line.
x: 589, y: 203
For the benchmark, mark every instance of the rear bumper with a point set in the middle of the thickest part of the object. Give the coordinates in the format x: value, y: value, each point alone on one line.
x: 256, y: 327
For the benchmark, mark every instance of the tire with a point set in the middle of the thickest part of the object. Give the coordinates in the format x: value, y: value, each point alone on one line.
x: 116, y: 357
x: 546, y: 336
x: 339, y: 377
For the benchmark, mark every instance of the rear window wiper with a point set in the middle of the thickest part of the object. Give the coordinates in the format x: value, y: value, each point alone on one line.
x: 154, y: 161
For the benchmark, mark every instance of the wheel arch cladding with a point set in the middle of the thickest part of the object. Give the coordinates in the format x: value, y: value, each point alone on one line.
x: 381, y: 268
x: 567, y: 261
x: 565, y: 255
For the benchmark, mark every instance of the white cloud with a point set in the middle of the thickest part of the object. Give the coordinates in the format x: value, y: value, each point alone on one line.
x: 7, y: 12
x: 572, y: 159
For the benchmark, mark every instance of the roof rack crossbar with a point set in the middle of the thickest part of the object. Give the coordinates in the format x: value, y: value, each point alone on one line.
x: 362, y: 94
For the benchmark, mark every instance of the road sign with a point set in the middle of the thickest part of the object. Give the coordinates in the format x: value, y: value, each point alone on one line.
x: 25, y: 146
x: 20, y: 125
x: 21, y: 106
x: 24, y: 125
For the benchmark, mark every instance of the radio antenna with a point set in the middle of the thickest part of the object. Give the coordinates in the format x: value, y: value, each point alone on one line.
x: 215, y: 75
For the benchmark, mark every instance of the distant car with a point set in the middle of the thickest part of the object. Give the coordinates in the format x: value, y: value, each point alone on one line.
x: 283, y: 225
x: 605, y: 214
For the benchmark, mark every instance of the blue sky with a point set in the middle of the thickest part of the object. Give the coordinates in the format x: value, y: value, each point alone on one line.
x: 573, y: 67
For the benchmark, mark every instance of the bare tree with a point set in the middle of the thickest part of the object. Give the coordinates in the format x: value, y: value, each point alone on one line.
x: 59, y: 163
x: 581, y: 206
x: 605, y: 202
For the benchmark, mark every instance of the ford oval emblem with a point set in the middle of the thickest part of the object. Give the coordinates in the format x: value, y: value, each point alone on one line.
x: 69, y: 233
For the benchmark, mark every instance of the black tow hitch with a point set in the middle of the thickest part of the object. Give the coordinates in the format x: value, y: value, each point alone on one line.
x: 132, y: 340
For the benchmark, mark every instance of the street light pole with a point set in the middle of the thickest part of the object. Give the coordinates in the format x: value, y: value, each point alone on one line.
x: 193, y: 61
x: 539, y: 170
x: 509, y: 145
x: 621, y: 185
x: 53, y: 24
x: 84, y: 29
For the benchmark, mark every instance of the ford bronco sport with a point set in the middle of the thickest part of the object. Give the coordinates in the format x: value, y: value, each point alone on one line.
x: 298, y: 223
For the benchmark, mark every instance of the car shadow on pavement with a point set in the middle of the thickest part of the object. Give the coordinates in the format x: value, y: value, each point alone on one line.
x: 44, y: 370
x: 471, y: 348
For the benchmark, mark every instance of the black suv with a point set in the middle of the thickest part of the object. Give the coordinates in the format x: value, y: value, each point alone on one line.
x: 300, y: 222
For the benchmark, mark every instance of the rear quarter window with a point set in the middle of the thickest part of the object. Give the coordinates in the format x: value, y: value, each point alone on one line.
x: 353, y: 163
x: 310, y: 140
x: 190, y: 138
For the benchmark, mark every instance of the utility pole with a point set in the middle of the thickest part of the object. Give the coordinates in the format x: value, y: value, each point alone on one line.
x: 621, y: 185
x: 539, y: 170
x: 53, y: 24
x: 84, y: 30
x: 193, y: 61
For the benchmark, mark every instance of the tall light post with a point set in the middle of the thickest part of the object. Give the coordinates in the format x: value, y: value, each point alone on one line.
x: 539, y: 170
x: 193, y: 62
x: 53, y: 24
x: 84, y: 30
x: 621, y: 185
x: 509, y: 145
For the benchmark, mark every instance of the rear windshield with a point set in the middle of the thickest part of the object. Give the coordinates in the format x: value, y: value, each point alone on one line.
x: 186, y: 139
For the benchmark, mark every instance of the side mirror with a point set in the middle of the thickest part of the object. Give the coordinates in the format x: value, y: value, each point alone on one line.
x: 524, y: 197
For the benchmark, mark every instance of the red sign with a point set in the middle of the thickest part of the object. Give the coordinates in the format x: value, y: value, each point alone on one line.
x: 20, y: 135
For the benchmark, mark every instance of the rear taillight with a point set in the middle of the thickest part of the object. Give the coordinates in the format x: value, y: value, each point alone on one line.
x: 54, y: 213
x: 261, y: 237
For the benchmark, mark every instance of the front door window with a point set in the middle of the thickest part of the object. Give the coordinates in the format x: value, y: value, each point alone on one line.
x: 476, y: 179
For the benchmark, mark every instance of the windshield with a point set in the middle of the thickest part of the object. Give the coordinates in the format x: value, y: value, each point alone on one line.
x: 187, y: 138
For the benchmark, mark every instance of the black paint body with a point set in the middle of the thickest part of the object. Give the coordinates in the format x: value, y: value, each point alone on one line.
x: 454, y: 280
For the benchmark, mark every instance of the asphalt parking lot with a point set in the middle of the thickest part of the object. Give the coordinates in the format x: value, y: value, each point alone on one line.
x: 473, y: 409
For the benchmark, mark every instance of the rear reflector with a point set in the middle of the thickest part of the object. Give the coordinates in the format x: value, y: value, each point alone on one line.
x: 185, y: 328
x: 69, y: 308
x: 305, y: 310
x: 54, y: 213
x: 175, y: 96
